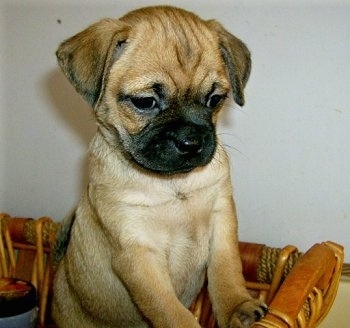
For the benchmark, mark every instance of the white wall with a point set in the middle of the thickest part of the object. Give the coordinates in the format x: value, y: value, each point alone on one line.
x: 290, y: 145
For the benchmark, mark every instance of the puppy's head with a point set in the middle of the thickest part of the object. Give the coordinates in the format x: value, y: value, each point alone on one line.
x: 157, y: 79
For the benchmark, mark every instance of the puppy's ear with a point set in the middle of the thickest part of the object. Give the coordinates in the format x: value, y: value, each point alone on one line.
x: 86, y: 57
x: 237, y: 59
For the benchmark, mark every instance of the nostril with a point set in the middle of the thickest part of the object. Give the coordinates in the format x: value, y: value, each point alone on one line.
x: 188, y: 146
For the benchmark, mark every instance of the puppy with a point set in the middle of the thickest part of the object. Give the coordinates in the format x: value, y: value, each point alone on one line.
x: 157, y: 216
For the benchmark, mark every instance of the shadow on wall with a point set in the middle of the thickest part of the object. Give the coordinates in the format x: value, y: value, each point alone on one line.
x: 72, y: 112
x: 70, y: 107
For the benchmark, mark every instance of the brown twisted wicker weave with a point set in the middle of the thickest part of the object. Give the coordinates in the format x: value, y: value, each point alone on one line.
x: 299, y: 288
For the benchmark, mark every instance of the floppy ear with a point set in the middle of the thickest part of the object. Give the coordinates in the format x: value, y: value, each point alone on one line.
x: 237, y: 59
x: 86, y: 58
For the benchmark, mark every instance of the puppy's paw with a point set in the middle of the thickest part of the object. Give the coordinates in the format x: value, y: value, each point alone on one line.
x: 247, y: 313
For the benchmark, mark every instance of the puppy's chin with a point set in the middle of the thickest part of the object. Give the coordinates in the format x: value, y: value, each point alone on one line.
x: 173, y: 149
x: 172, y: 165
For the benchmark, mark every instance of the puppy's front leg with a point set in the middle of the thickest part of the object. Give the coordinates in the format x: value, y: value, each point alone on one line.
x: 143, y: 272
x: 232, y: 304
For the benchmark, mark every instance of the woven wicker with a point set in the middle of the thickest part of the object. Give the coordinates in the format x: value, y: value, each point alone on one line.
x: 299, y: 288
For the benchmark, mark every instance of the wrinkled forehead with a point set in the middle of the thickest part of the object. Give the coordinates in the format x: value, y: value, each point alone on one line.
x: 173, y: 29
x: 168, y: 20
x: 177, y: 45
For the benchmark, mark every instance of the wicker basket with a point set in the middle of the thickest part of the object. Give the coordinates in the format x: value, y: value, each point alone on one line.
x: 299, y: 288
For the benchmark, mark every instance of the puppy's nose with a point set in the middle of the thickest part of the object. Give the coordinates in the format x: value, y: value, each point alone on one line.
x: 188, y: 146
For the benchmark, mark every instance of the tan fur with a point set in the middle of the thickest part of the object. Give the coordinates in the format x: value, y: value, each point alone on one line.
x: 142, y: 242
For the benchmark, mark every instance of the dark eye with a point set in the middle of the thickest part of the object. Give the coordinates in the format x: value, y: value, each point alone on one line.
x: 144, y: 103
x: 214, y: 100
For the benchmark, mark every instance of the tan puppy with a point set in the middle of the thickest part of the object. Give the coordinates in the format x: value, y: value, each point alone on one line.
x: 158, y: 213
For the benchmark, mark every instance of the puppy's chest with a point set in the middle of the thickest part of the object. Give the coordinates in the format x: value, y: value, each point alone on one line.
x: 186, y: 227
x: 178, y: 222
x: 187, y: 207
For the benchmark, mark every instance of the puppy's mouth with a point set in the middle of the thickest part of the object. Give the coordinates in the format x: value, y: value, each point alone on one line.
x: 175, y: 147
